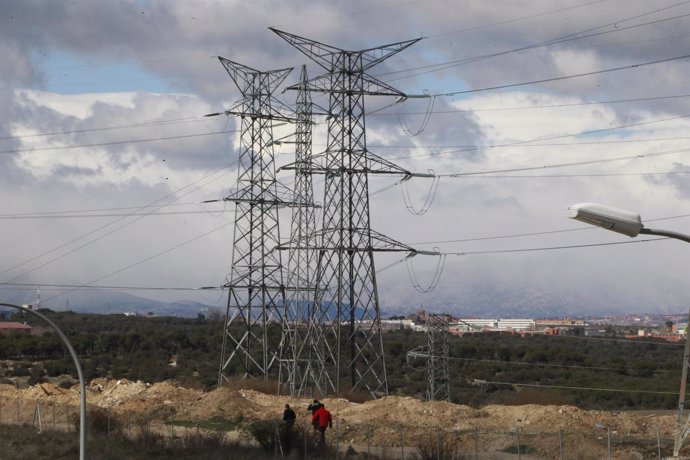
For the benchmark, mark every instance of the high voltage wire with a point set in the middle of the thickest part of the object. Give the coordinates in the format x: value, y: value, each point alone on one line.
x: 558, y: 40
x: 107, y: 128
x: 552, y: 248
x: 102, y: 144
x: 562, y: 366
x: 86, y: 287
x: 509, y: 21
x: 568, y: 387
x: 137, y: 217
x: 559, y: 78
x: 141, y: 261
x: 533, y: 142
x: 490, y: 109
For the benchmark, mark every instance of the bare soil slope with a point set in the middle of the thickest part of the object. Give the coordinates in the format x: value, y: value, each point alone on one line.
x: 381, y: 419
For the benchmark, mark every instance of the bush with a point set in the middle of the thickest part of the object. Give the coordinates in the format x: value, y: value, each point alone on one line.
x: 264, y: 432
x: 440, y: 445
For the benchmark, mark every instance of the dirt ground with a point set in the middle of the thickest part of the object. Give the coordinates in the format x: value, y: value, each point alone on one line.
x: 378, y: 422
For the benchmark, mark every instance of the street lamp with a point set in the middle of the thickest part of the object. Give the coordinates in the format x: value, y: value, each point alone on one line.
x: 82, y: 385
x: 617, y: 220
x: 630, y: 224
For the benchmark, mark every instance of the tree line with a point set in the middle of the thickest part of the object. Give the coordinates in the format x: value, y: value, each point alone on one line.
x: 486, y: 368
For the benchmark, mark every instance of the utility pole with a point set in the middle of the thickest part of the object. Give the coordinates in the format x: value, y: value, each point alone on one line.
x: 256, y: 291
x: 346, y: 316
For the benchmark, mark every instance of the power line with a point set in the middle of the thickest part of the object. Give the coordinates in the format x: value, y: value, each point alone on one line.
x: 208, y: 178
x: 558, y: 40
x: 563, y: 77
x: 562, y: 366
x: 530, y: 107
x: 106, y: 128
x: 552, y: 248
x: 567, y: 387
x: 141, y: 261
x: 102, y: 144
x: 47, y: 286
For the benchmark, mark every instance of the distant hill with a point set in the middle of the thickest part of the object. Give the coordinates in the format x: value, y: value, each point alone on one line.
x: 109, y: 302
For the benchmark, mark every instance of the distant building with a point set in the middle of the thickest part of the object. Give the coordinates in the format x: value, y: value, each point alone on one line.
x: 14, y: 328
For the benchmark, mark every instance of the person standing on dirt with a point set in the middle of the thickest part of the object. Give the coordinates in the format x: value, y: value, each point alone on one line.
x: 322, y: 419
x: 289, y: 417
x: 313, y: 407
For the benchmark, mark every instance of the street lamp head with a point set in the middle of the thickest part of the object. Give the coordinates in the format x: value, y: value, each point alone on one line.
x: 616, y: 220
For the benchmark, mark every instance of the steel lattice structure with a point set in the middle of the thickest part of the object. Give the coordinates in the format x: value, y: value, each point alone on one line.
x: 436, y: 354
x: 297, y: 356
x: 345, y: 322
x: 438, y: 388
x: 256, y: 291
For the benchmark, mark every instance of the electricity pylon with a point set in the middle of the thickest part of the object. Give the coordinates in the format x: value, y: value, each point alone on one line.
x: 256, y: 291
x: 346, y: 314
x: 297, y: 357
x: 437, y: 358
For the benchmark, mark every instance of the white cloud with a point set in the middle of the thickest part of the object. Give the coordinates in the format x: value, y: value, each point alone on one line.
x: 174, y: 43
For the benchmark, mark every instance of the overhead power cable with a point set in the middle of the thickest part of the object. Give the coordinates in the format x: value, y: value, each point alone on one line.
x: 560, y: 366
x: 102, y: 144
x: 563, y: 77
x: 565, y: 387
x: 48, y: 286
x: 106, y: 128
x: 190, y: 188
x: 551, y: 248
x: 566, y: 38
x: 146, y: 259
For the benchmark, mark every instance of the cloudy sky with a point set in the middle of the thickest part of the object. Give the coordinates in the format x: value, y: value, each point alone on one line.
x: 531, y: 106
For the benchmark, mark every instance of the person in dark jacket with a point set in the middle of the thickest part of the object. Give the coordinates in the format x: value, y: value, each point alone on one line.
x: 313, y: 407
x: 289, y: 416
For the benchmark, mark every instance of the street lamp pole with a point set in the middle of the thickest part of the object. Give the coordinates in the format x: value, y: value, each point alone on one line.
x: 630, y: 224
x: 82, y: 385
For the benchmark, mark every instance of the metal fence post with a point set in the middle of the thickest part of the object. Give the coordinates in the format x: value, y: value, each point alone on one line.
x: 476, y: 443
x: 18, y: 422
x: 337, y: 439
x: 305, y: 438
x: 438, y: 443
x: 368, y: 442
x: 517, y: 436
x: 560, y: 443
x: 658, y: 443
x: 402, y: 447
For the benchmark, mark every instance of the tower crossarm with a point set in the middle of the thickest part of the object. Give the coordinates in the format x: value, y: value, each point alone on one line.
x: 323, y: 54
x: 252, y: 82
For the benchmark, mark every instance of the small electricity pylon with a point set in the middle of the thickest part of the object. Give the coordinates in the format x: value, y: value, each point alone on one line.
x: 437, y: 358
x: 346, y: 314
x: 297, y: 357
x: 256, y: 291
x: 682, y: 423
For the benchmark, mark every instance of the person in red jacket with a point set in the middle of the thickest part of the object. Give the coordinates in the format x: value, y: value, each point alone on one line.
x: 322, y: 419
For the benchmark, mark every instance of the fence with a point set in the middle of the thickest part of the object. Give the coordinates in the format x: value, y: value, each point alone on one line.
x: 368, y: 441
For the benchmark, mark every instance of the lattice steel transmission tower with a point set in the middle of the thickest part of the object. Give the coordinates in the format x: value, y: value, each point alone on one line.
x: 438, y: 388
x: 256, y: 291
x: 297, y: 356
x: 346, y: 317
x: 436, y: 354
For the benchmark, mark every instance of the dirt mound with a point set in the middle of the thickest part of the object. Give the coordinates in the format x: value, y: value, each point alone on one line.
x: 380, y: 419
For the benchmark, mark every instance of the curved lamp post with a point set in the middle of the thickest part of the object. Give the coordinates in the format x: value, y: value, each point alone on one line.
x: 630, y: 224
x: 82, y: 385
